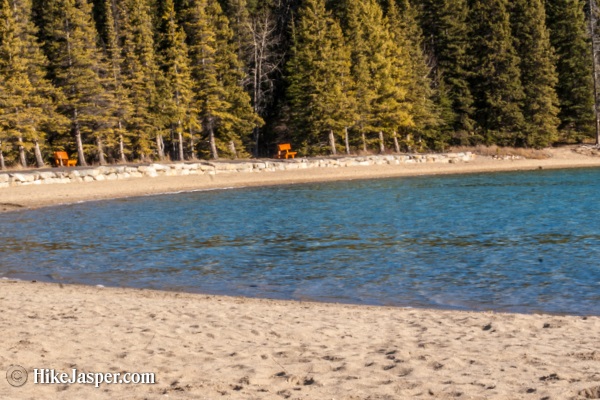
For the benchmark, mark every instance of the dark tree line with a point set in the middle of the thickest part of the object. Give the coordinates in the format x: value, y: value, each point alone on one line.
x: 124, y: 80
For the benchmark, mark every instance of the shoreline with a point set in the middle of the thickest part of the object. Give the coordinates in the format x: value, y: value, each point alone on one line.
x: 36, y: 196
x: 205, y: 346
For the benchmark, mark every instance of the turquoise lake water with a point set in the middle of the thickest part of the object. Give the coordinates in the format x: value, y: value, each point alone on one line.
x: 523, y: 242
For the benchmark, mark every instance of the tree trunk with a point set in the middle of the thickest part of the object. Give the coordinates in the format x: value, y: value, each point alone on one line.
x: 381, y: 143
x: 332, y: 142
x: 160, y: 146
x: 121, y: 144
x: 122, y: 149
x: 192, y: 145
x: 80, y: 154
x: 396, y: 145
x: 256, y: 133
x: 100, y: 149
x: 364, y: 140
x: 22, y: 155
x: 180, y: 147
x: 213, y: 145
x: 232, y: 149
x: 2, y: 165
x: 347, y: 140
x: 39, y: 160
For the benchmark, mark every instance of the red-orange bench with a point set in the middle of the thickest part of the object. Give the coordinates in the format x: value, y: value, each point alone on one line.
x: 62, y: 159
x: 284, y: 151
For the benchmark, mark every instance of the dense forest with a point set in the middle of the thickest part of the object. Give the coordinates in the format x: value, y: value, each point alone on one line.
x: 140, y: 80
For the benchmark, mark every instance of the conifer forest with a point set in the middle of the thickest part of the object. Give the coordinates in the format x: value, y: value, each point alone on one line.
x: 112, y: 81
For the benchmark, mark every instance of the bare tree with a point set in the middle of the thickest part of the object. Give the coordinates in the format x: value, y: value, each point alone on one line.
x: 265, y: 58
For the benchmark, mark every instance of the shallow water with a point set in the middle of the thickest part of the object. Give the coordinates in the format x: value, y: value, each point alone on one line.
x: 524, y: 242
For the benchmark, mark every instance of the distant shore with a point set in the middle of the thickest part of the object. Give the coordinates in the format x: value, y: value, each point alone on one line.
x: 35, y: 196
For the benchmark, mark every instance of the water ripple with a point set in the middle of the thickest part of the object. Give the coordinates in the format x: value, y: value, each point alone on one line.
x: 526, y: 242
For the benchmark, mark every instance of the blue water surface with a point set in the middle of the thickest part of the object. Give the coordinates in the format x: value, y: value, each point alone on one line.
x: 521, y: 242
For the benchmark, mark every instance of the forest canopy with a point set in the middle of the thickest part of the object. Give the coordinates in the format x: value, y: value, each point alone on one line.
x: 138, y: 80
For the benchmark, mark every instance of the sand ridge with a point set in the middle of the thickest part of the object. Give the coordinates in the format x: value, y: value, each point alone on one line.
x: 211, y: 347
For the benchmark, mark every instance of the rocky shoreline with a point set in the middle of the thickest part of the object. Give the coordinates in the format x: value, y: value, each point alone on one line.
x: 123, y: 172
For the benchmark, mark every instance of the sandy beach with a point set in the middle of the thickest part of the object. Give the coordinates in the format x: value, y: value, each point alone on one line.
x: 210, y: 347
x: 206, y: 347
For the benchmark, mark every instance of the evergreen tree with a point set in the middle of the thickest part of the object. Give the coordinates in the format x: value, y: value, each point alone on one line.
x: 568, y: 35
x: 226, y: 113
x: 446, y: 32
x: 176, y: 69
x: 115, y: 81
x: 497, y: 79
x: 319, y: 79
x: 538, y: 72
x: 408, y: 36
x: 141, y: 75
x: 76, y: 68
x: 26, y: 98
x: 240, y: 22
x: 381, y: 71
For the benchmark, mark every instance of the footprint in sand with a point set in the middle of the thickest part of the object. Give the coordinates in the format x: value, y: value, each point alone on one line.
x: 590, y: 393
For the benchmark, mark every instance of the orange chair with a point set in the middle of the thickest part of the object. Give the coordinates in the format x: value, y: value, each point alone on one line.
x: 284, y: 151
x: 62, y: 159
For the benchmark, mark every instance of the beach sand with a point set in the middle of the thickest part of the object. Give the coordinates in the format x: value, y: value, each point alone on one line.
x: 207, y: 347
x: 210, y: 347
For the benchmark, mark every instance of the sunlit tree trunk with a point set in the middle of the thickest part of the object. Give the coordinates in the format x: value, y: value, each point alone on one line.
x: 232, y: 149
x: 332, y: 142
x: 22, y: 155
x: 347, y: 140
x: 211, y: 139
x: 180, y: 145
x: 160, y: 146
x: 2, y: 165
x: 38, y: 155
x: 396, y: 144
x: 100, y: 148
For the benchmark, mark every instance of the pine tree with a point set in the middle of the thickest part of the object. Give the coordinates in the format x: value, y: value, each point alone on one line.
x: 538, y: 73
x: 568, y: 35
x: 76, y: 68
x: 141, y: 74
x: 446, y: 32
x: 381, y: 71
x: 123, y: 108
x: 226, y: 113
x: 26, y: 98
x: 408, y: 36
x: 319, y: 79
x: 240, y: 21
x: 497, y: 79
x: 176, y: 69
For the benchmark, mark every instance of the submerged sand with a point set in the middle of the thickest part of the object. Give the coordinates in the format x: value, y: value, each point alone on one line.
x: 209, y: 347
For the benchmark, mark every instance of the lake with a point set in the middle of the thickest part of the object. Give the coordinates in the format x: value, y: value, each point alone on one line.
x: 518, y: 242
